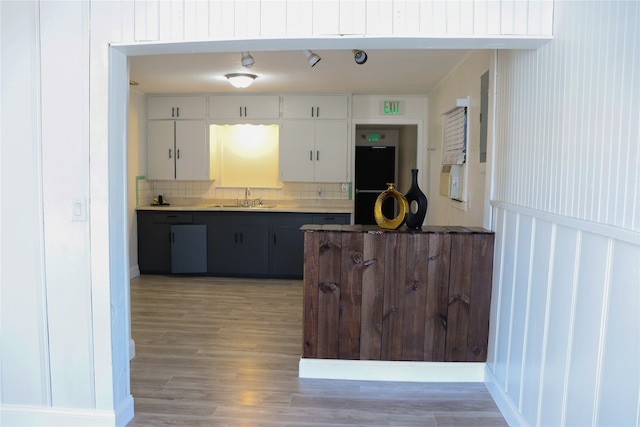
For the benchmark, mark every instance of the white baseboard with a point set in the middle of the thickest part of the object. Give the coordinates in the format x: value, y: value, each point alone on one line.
x: 378, y: 370
x: 132, y: 349
x: 19, y: 415
x: 134, y: 271
x: 124, y: 413
x: 509, y: 411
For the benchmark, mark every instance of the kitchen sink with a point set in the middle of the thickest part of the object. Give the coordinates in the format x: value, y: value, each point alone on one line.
x: 243, y: 206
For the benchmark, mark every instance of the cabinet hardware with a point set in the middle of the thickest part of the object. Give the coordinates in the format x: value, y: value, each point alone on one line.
x: 178, y: 153
x: 317, y: 111
x: 236, y: 237
x: 311, y: 111
x: 318, y: 155
x: 274, y: 239
x: 311, y: 155
x: 173, y: 112
x: 169, y: 152
x: 177, y: 111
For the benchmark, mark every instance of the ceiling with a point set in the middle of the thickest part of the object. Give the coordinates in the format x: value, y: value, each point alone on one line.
x: 390, y: 71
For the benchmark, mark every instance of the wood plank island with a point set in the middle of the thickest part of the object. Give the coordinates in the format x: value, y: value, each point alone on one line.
x: 401, y: 295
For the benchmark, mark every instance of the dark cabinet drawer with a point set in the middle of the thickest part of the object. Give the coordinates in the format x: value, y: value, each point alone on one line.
x: 331, y: 219
x: 172, y: 218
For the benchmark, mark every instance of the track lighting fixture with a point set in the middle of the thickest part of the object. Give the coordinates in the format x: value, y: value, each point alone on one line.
x: 240, y: 80
x: 312, y: 58
x: 360, y: 56
x: 247, y: 60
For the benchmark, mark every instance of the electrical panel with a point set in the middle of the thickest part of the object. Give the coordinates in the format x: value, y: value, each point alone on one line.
x: 450, y: 185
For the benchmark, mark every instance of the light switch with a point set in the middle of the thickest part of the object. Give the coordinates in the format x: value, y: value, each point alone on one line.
x: 79, y: 210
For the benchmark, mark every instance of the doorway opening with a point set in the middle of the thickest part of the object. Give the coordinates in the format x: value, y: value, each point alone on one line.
x: 384, y: 153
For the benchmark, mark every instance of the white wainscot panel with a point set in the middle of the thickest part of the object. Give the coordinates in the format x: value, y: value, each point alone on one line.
x: 507, y: 235
x: 536, y: 308
x: 585, y: 337
x: 519, y: 306
x: 620, y: 369
x: 558, y: 325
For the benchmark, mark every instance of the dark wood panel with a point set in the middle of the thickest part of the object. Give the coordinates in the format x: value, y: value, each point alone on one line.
x: 372, y: 296
x: 329, y: 289
x: 420, y: 295
x: 350, y: 296
x: 310, y: 296
x: 435, y: 330
x: 415, y: 297
x: 481, y: 277
x: 395, y: 275
x: 459, y: 300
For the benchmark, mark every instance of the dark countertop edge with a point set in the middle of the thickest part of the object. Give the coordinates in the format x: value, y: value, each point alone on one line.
x: 374, y: 229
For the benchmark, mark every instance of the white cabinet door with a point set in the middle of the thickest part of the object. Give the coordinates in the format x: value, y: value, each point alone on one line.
x: 160, y: 149
x: 331, y: 151
x: 177, y: 150
x: 244, y: 107
x: 315, y: 107
x: 296, y: 151
x: 192, y: 160
x: 176, y: 107
x: 313, y: 151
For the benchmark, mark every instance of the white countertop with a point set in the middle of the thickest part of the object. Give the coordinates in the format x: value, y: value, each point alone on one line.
x: 268, y: 206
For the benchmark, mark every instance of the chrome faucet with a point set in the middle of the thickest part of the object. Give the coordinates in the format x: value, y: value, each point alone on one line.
x: 247, y: 193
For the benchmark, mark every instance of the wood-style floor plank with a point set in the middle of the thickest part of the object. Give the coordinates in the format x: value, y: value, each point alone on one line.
x: 225, y: 352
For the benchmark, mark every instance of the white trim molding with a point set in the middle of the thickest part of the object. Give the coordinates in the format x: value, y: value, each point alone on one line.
x: 21, y: 415
x: 380, y: 370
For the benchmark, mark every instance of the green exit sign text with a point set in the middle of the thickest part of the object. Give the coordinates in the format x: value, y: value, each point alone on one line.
x: 391, y: 107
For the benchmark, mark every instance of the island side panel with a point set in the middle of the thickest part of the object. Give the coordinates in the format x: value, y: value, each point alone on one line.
x: 328, y: 290
x: 480, y: 304
x: 459, y: 297
x: 310, y: 292
x: 372, y: 296
x: 350, y: 296
x: 438, y: 259
x: 395, y: 276
x: 415, y: 297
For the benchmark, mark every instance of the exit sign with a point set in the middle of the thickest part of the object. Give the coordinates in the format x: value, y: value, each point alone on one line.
x: 391, y: 107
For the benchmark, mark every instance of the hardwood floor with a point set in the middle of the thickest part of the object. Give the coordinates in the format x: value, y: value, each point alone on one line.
x: 225, y: 352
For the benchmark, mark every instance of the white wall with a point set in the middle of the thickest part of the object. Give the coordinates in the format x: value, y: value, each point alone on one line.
x: 565, y: 330
x: 60, y: 320
x: 64, y: 283
x: 137, y: 166
x: 462, y: 82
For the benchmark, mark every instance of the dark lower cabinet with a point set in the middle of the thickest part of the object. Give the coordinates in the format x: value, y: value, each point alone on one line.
x: 287, y: 251
x: 154, y: 248
x: 231, y: 243
x: 188, y: 249
x: 238, y: 250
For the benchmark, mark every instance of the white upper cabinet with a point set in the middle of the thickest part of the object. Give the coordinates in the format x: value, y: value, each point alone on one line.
x: 249, y: 107
x: 176, y: 107
x: 315, y: 107
x: 314, y: 151
x: 177, y: 149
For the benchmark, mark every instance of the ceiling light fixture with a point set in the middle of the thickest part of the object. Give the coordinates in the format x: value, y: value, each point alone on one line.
x: 312, y: 58
x: 240, y: 80
x: 247, y: 60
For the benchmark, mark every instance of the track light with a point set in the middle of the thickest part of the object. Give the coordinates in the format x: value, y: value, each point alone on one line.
x: 312, y: 58
x: 360, y: 56
x: 240, y: 80
x: 247, y: 60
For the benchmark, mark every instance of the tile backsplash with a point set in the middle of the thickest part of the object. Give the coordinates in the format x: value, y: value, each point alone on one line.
x: 184, y: 190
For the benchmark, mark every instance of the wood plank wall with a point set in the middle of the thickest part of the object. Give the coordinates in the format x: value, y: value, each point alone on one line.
x: 146, y: 20
x: 565, y: 338
x: 419, y: 296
